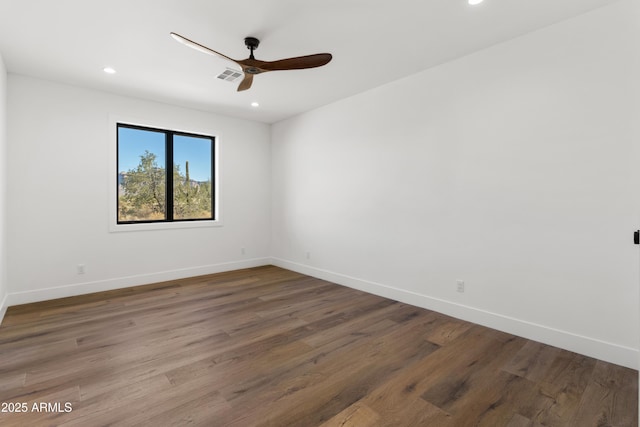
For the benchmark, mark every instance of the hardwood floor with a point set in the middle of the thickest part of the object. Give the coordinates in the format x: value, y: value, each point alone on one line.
x: 270, y: 347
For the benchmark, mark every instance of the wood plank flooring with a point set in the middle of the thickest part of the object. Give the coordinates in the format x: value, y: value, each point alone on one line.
x: 270, y: 347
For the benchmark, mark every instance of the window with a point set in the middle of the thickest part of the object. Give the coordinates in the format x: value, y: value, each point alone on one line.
x: 164, y: 176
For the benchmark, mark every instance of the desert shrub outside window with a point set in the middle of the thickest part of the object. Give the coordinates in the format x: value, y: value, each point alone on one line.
x: 164, y: 175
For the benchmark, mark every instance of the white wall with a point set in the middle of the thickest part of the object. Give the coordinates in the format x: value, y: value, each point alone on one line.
x: 3, y: 197
x: 511, y: 169
x: 59, y: 175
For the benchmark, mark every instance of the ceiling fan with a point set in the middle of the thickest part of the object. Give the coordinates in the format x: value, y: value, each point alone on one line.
x: 252, y: 66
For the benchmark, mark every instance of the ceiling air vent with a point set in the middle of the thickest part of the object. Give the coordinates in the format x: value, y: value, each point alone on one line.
x: 230, y: 75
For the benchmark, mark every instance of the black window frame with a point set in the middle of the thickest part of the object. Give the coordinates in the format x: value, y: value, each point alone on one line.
x: 169, y: 188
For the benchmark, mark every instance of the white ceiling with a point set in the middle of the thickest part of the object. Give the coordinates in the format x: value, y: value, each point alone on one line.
x: 372, y: 41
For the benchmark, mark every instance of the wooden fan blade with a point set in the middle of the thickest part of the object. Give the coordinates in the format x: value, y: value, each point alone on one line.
x: 297, y: 63
x: 246, y: 83
x: 197, y: 46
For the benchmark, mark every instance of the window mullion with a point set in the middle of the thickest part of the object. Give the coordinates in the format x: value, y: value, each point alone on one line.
x: 169, y: 177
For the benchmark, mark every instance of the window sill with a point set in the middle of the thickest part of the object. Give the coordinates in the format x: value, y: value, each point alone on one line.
x: 117, y: 228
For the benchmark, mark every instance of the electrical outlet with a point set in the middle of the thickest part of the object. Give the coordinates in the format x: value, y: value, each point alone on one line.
x: 243, y: 251
x: 81, y: 269
x: 460, y: 284
x: 308, y: 254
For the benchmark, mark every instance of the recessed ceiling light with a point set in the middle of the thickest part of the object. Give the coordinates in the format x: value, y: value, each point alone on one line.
x: 255, y: 104
x: 474, y: 2
x: 109, y: 70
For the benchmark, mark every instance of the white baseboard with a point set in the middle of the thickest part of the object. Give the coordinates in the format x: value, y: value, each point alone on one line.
x: 27, y: 297
x: 3, y: 307
x: 609, y: 352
